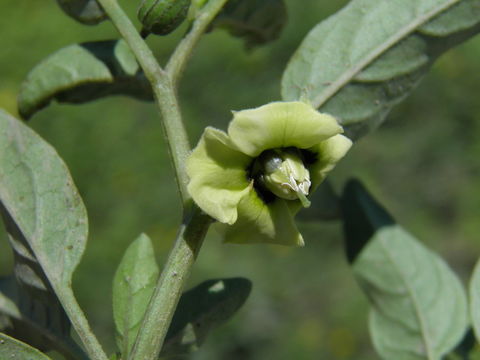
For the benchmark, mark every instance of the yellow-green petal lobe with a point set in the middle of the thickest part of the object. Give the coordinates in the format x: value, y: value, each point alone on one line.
x: 263, y: 223
x: 218, y: 178
x: 328, y: 153
x: 279, y: 125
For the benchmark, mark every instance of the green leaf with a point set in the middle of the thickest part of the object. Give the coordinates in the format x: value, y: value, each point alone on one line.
x: 88, y: 12
x: 133, y: 286
x: 9, y: 297
x: 360, y: 62
x: 474, y: 290
x: 45, y: 217
x: 83, y: 72
x: 37, y: 192
x: 11, y: 348
x: 419, y: 308
x: 201, y: 309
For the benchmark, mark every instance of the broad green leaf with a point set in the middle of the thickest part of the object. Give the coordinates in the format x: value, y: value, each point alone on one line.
x: 37, y: 192
x: 87, y: 12
x: 45, y: 217
x: 474, y: 290
x: 201, y: 309
x: 11, y: 348
x: 133, y: 285
x: 419, y: 307
x: 366, y: 58
x: 83, y: 72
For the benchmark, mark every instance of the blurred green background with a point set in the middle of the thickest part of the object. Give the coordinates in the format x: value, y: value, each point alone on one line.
x: 422, y: 165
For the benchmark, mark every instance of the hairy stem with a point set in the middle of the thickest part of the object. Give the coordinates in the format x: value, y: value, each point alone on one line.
x: 81, y: 326
x: 183, y: 51
x: 169, y: 287
x: 175, y: 133
x: 195, y: 225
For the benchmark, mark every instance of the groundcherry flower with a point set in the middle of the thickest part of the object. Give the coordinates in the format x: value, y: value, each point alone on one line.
x: 259, y: 174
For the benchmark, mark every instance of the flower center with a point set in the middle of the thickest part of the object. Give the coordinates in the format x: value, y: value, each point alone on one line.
x: 283, y: 172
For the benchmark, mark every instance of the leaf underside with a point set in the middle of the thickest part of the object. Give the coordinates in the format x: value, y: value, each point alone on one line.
x: 419, y: 308
x: 363, y: 60
x: 46, y: 223
x: 81, y: 73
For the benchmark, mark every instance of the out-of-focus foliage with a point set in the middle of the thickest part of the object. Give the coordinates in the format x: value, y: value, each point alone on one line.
x: 422, y: 164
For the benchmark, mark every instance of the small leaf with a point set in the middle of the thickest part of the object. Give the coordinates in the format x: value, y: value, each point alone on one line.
x: 360, y: 62
x: 81, y: 73
x: 474, y: 290
x: 201, y: 309
x: 11, y: 348
x: 133, y: 286
x: 88, y: 12
x: 419, y: 308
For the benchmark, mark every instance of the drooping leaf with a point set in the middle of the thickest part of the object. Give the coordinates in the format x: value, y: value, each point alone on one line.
x: 133, y: 285
x: 366, y: 58
x: 201, y: 309
x: 83, y: 72
x: 88, y: 12
x: 44, y: 214
x: 11, y: 348
x: 419, y: 308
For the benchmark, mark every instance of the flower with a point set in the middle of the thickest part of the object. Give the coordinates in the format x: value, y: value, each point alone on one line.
x: 257, y: 176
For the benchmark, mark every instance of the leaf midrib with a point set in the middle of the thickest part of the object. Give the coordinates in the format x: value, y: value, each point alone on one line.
x: 354, y: 70
x: 416, y: 306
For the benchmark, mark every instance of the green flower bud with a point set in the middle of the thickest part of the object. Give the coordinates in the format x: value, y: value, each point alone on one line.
x: 285, y: 175
x: 161, y: 17
x: 88, y: 12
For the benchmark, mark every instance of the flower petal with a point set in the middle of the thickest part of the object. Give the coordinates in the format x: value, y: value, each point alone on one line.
x: 263, y: 223
x: 280, y: 124
x: 218, y: 178
x: 328, y: 152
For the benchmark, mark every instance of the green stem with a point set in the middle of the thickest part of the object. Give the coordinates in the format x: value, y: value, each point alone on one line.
x: 80, y: 324
x: 193, y: 230
x: 169, y: 287
x: 175, y: 133
x: 183, y: 51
